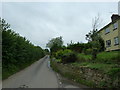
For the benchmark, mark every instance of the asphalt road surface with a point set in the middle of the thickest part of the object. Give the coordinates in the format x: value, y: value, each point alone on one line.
x: 38, y: 75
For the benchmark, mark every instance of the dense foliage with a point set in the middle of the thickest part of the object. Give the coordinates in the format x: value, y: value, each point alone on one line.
x: 55, y: 44
x: 95, y: 38
x: 17, y: 52
x: 89, y: 55
x: 79, y: 47
x: 106, y: 66
x: 66, y: 56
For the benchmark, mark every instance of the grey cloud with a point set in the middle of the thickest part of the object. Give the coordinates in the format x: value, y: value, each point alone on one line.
x: 39, y: 22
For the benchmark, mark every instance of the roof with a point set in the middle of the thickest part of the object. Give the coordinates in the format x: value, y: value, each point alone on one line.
x: 108, y: 24
x: 105, y: 26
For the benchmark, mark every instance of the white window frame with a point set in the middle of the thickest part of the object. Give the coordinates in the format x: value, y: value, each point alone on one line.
x: 116, y: 41
x: 108, y: 45
x: 115, y: 26
x: 107, y: 30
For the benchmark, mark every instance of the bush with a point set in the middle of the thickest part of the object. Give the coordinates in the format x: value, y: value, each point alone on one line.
x: 58, y: 60
x: 88, y: 51
x: 59, y: 54
x: 69, y: 57
x: 66, y: 56
x: 83, y: 58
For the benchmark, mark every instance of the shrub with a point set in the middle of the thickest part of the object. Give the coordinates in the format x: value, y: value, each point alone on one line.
x: 58, y: 60
x: 66, y: 56
x: 69, y: 57
x: 88, y: 51
x: 59, y: 54
x: 83, y: 58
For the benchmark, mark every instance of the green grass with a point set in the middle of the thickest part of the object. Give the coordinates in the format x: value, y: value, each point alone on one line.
x: 110, y: 69
x: 82, y: 57
x: 70, y: 71
x: 106, y: 63
x: 69, y: 74
x: 108, y: 57
x: 103, y: 57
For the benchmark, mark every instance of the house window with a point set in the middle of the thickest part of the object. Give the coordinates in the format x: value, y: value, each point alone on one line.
x: 116, y: 41
x: 108, y: 43
x: 115, y: 26
x: 107, y: 30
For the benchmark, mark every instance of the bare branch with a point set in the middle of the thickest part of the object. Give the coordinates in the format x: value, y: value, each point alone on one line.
x: 96, y: 22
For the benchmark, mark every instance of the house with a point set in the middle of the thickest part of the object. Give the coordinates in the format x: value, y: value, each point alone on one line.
x: 111, y: 34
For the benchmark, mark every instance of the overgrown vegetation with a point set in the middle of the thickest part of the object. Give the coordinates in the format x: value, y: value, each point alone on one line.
x: 109, y: 57
x: 54, y: 45
x: 71, y: 73
x: 80, y: 71
x: 105, y: 61
x: 87, y: 55
x: 79, y: 55
x: 66, y: 56
x: 84, y: 58
x: 17, y: 52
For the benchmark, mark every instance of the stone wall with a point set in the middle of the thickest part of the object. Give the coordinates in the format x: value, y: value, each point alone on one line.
x: 87, y: 76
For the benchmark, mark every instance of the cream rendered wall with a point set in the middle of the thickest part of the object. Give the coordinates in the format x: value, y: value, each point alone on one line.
x: 110, y: 36
x: 119, y: 31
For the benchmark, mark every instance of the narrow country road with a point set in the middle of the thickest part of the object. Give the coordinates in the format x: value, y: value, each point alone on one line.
x: 38, y: 75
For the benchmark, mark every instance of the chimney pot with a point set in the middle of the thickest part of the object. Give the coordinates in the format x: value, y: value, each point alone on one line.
x: 115, y: 17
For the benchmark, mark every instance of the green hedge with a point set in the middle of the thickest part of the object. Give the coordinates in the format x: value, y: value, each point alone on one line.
x: 17, y: 52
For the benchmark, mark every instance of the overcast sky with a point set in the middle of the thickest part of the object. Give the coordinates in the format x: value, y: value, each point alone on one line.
x: 39, y: 22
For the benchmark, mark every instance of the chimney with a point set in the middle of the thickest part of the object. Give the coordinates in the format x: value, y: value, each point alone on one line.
x: 115, y: 17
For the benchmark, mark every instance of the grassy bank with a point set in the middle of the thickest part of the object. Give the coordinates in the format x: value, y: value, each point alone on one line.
x: 104, y: 71
x: 110, y: 69
x: 71, y: 73
x: 103, y: 57
x: 89, y: 74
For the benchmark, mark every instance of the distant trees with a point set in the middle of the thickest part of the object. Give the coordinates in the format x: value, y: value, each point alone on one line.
x: 46, y: 51
x: 55, y: 44
x: 17, y: 52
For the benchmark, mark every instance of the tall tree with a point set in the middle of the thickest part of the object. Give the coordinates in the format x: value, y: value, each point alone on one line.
x: 55, y: 44
x: 94, y: 38
x: 93, y: 34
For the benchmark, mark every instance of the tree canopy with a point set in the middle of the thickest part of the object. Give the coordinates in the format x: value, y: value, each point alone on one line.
x: 94, y: 38
x: 55, y: 44
x: 55, y: 41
